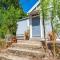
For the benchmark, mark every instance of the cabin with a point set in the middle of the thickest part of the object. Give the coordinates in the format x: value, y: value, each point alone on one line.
x: 22, y: 26
x: 33, y: 23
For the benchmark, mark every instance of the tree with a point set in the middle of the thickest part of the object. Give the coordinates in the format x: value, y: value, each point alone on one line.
x: 44, y: 4
x: 56, y: 15
x: 10, y: 13
x: 51, y: 7
x: 54, y: 7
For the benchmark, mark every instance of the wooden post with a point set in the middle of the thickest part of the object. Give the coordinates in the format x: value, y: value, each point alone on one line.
x: 54, y: 44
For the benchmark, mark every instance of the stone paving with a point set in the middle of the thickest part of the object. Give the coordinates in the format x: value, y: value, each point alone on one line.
x: 26, y: 50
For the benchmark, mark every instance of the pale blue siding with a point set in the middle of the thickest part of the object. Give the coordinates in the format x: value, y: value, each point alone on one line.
x: 48, y: 27
x: 22, y: 27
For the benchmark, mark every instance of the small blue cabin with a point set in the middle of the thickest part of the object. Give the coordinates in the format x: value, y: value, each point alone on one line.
x: 35, y: 25
x: 34, y: 22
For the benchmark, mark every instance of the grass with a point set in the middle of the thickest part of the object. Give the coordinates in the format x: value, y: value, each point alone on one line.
x: 58, y: 52
x: 2, y: 43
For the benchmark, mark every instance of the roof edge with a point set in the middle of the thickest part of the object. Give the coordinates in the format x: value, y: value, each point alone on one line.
x: 23, y: 19
x: 33, y: 7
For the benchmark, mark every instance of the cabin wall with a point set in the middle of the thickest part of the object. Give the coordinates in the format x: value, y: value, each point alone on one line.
x: 34, y: 30
x: 48, y: 27
x: 22, y: 27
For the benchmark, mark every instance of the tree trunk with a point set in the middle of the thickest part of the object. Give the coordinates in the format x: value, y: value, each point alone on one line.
x: 43, y: 23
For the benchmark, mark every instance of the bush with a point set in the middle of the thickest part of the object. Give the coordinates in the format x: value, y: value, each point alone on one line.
x: 2, y: 43
x: 58, y: 52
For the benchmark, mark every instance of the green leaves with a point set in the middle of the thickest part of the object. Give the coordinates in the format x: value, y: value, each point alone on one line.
x: 10, y: 13
x: 44, y: 7
x: 50, y: 10
x: 56, y: 15
x: 58, y: 9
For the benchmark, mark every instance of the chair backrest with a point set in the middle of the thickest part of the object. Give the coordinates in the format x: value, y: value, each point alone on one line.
x: 52, y: 36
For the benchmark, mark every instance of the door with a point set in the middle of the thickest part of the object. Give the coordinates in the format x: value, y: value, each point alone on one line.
x: 36, y: 27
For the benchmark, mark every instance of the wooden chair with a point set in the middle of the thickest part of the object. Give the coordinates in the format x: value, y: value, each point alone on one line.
x: 14, y: 40
x: 52, y: 42
x: 26, y: 36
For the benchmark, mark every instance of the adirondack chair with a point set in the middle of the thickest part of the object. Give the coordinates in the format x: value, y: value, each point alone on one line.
x: 26, y: 35
x: 52, y: 36
x: 50, y: 43
x: 13, y: 40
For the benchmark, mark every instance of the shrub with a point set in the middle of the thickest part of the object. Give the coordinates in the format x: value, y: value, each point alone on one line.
x: 2, y: 43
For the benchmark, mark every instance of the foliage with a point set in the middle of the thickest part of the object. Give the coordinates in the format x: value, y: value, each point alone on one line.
x: 51, y: 7
x: 44, y: 4
x: 54, y: 7
x: 10, y: 13
x: 2, y: 43
x: 58, y: 9
x: 56, y: 16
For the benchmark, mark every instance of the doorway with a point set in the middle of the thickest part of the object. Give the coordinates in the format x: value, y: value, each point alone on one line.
x: 36, y: 26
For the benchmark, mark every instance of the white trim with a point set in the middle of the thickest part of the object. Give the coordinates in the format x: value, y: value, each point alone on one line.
x: 41, y: 27
x: 30, y: 21
x: 33, y: 6
x: 30, y: 31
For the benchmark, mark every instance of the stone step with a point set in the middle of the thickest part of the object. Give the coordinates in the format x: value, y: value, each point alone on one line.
x: 29, y: 47
x: 12, y: 57
x: 27, y: 44
x: 25, y: 52
x: 20, y: 37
